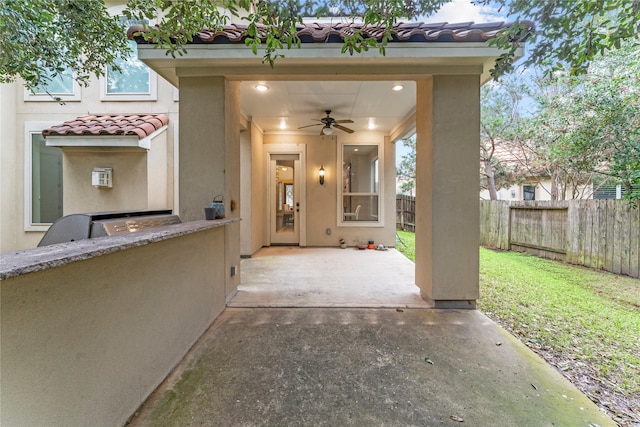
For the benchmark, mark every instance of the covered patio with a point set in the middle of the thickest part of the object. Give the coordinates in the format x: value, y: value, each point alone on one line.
x: 307, y: 341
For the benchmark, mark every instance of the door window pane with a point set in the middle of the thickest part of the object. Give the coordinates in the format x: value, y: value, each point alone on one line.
x: 285, y: 218
x: 46, y: 181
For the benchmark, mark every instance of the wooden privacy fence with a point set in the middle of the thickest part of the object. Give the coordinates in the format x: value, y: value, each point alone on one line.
x: 405, y: 212
x: 603, y: 234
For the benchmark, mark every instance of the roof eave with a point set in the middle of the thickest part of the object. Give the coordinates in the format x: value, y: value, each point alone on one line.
x: 411, y: 60
x: 104, y: 141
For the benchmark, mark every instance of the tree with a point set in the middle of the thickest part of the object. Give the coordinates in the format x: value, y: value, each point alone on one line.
x: 569, y: 34
x: 406, y: 171
x: 40, y: 38
x: 584, y: 129
x: 595, y: 119
x: 500, y: 121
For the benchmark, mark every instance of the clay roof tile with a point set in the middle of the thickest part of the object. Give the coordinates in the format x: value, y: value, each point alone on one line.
x: 110, y: 124
x: 461, y: 32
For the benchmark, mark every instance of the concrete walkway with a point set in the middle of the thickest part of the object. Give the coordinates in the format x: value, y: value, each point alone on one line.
x: 341, y: 365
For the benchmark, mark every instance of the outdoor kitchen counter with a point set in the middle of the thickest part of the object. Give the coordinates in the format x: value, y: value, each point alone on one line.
x: 17, y: 263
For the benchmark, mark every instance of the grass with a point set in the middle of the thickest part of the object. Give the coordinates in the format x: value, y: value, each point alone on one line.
x: 584, y: 322
x: 406, y: 243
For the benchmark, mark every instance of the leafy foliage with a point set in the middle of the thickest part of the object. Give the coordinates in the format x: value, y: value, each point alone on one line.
x: 569, y: 34
x: 406, y: 171
x: 591, y: 123
x: 582, y: 129
x: 500, y: 121
x: 40, y: 39
x: 80, y: 35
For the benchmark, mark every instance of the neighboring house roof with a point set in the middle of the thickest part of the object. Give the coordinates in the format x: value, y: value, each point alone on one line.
x: 336, y: 32
x: 519, y: 157
x: 110, y: 124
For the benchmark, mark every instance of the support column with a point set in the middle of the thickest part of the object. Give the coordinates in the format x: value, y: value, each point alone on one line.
x: 209, y: 156
x: 447, y: 190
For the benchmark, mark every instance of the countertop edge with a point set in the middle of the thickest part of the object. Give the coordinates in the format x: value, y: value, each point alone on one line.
x: 18, y: 263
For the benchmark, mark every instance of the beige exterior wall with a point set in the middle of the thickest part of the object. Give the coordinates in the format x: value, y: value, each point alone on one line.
x: 11, y: 175
x: 259, y: 191
x: 85, y: 343
x: 157, y: 168
x: 130, y: 185
x: 253, y: 205
x: 209, y: 157
x: 543, y: 191
x: 321, y: 200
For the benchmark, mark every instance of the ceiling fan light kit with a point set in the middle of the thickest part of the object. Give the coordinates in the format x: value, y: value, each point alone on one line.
x: 328, y: 123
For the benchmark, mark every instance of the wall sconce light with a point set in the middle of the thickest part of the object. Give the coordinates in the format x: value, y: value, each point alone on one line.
x: 321, y: 174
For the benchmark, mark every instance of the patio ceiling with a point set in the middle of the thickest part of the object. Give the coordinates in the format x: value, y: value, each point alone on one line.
x: 372, y: 105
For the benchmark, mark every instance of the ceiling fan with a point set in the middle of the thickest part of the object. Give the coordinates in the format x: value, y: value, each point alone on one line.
x: 328, y: 123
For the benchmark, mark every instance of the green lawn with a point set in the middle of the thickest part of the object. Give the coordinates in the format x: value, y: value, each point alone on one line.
x: 584, y: 322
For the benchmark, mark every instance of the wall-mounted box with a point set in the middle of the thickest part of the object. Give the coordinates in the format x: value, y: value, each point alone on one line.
x: 102, y: 177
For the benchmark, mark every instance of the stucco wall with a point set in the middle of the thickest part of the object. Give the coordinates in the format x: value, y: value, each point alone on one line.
x: 11, y: 172
x: 321, y: 200
x: 542, y: 189
x: 129, y: 190
x: 447, y: 187
x: 85, y: 343
x: 253, y: 202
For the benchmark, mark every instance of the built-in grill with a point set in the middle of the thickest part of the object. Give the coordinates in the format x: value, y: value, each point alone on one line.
x: 74, y: 227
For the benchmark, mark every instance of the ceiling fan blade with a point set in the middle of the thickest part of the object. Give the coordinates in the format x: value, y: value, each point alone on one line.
x: 343, y: 121
x: 308, y: 126
x: 343, y: 128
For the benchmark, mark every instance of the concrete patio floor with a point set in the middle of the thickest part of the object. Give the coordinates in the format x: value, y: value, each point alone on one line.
x: 331, y: 362
x: 286, y: 276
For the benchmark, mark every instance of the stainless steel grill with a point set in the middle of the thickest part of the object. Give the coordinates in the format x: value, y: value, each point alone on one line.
x: 74, y: 227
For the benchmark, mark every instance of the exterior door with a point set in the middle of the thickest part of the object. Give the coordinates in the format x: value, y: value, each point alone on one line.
x: 285, y: 199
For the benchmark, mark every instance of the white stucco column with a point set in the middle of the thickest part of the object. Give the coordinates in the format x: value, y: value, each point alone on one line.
x: 447, y: 186
x: 209, y: 156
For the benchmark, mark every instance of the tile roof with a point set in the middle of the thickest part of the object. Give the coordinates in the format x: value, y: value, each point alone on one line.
x: 110, y: 124
x: 335, y: 32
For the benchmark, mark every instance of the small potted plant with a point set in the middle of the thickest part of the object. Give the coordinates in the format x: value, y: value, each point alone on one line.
x: 343, y: 244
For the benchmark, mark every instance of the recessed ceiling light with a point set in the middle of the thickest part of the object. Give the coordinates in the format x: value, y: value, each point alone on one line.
x: 372, y: 123
x: 397, y: 87
x: 261, y: 87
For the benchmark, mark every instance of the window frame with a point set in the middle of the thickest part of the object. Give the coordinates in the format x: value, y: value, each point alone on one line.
x: 379, y: 194
x: 525, y: 190
x: 76, y: 95
x: 152, y: 95
x: 31, y: 128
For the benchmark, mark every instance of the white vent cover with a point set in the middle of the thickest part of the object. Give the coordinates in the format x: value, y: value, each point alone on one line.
x: 102, y: 177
